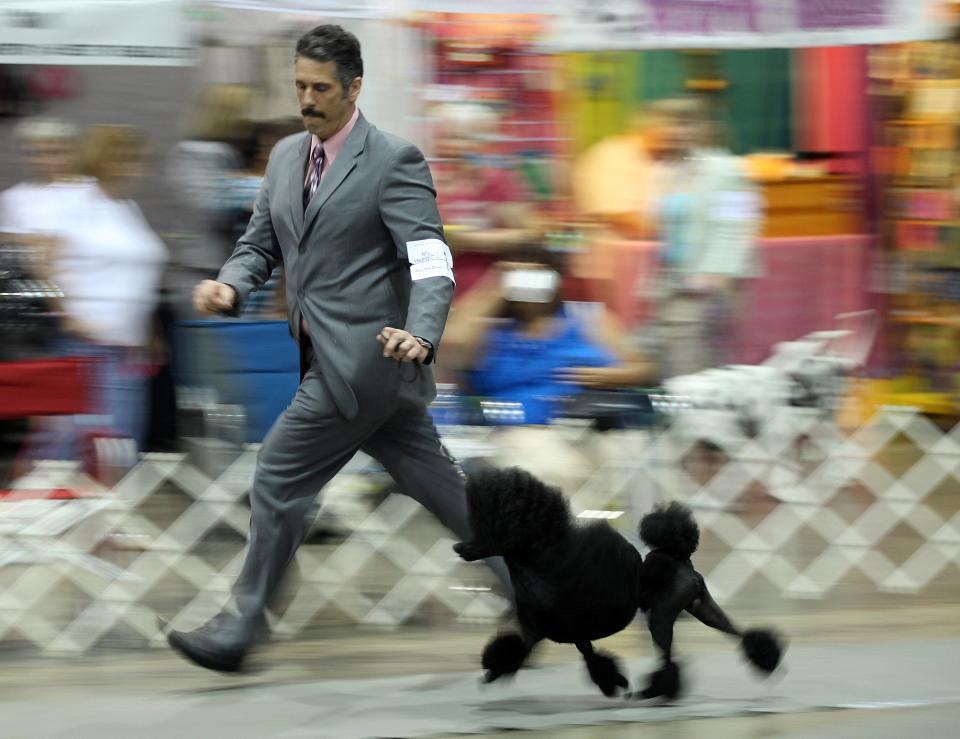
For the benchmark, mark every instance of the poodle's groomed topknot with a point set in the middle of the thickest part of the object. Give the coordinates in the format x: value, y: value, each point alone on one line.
x: 671, y: 529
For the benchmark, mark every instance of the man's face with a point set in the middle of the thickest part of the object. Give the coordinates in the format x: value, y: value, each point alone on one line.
x: 324, y: 106
x: 676, y: 135
x: 50, y: 159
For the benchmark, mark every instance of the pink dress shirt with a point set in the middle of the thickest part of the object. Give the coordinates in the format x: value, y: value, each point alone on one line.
x: 331, y: 147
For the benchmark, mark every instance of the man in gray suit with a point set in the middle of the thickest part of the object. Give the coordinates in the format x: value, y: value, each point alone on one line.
x: 350, y: 212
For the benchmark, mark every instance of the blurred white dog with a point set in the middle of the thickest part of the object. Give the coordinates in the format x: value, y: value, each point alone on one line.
x: 727, y: 405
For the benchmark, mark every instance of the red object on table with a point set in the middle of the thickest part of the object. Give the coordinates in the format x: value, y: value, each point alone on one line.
x: 46, y: 387
x: 16, y: 496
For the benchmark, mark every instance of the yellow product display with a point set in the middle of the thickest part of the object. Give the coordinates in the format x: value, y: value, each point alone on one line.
x: 599, y: 98
x: 866, y: 396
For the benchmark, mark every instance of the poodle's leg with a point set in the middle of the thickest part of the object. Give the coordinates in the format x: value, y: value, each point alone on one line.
x: 706, y: 610
x: 505, y: 654
x: 664, y: 682
x: 761, y: 647
x: 604, y: 669
x: 667, y: 604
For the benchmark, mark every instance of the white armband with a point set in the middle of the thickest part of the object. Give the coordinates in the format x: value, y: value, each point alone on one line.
x: 429, y: 258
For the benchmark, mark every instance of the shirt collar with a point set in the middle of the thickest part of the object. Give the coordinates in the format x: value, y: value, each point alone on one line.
x: 332, y: 146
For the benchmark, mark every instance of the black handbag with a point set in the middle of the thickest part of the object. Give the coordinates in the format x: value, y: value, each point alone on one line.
x: 29, y: 325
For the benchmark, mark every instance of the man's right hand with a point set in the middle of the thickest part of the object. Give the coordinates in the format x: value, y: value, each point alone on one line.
x: 211, y: 296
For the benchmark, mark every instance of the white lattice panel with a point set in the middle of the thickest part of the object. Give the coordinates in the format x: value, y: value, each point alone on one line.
x: 66, y: 583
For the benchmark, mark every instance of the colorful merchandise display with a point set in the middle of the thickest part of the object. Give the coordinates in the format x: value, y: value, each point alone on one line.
x: 916, y: 90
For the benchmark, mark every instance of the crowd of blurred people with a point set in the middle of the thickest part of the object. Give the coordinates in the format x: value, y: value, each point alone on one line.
x: 523, y: 331
x: 77, y: 214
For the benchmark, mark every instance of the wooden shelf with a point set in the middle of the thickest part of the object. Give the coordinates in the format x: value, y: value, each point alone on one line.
x: 942, y: 321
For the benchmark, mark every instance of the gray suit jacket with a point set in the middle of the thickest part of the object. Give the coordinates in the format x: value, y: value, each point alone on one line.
x: 346, y: 261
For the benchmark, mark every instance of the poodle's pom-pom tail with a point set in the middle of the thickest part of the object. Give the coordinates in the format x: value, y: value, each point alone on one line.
x: 511, y: 511
x: 671, y: 529
x: 763, y: 649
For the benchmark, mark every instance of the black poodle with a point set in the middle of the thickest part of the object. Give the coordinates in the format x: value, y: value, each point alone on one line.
x: 578, y: 583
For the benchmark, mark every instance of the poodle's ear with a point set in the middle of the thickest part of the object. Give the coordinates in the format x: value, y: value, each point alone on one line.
x: 471, y: 551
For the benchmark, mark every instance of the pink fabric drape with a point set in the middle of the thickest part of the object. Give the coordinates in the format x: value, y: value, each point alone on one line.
x: 830, y: 104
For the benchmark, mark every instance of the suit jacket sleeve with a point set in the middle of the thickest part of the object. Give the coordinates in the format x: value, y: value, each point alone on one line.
x: 257, y: 252
x: 408, y: 208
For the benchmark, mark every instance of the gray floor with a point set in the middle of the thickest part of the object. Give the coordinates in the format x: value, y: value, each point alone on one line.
x: 885, y: 686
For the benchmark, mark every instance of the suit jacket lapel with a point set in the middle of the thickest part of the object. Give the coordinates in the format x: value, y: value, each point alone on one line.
x: 298, y: 173
x: 342, y: 166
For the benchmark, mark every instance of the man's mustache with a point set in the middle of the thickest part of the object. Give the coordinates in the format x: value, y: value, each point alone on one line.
x: 311, y: 112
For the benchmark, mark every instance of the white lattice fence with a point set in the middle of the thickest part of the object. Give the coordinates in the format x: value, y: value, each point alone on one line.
x: 807, y: 543
x: 63, y: 589
x: 167, y: 539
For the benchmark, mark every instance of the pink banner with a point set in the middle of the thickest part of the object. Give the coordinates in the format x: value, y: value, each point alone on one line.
x: 728, y: 24
x: 704, y: 16
x: 819, y: 14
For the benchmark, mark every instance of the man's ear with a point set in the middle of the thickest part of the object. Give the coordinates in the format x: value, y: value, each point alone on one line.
x: 354, y: 92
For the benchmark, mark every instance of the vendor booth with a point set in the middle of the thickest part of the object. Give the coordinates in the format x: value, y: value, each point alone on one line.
x: 792, y: 94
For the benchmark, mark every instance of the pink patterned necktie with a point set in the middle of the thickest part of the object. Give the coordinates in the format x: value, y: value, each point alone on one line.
x: 317, y: 160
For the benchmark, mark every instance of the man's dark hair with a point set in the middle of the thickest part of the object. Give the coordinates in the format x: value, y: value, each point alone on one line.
x: 330, y: 43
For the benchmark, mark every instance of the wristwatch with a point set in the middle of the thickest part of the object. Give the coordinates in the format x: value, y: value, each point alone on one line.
x: 428, y: 346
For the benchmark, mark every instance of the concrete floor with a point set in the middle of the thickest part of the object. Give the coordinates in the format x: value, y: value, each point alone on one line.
x: 927, y: 722
x: 353, y: 653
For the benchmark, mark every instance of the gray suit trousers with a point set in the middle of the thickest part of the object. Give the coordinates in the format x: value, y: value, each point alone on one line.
x: 307, y: 446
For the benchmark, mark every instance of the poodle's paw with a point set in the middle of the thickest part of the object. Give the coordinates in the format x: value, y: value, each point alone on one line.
x: 605, y: 672
x: 664, y: 683
x: 504, y: 655
x: 490, y: 676
x: 763, y: 649
x: 470, y: 551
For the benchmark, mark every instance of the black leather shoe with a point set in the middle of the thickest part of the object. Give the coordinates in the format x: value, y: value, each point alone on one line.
x: 221, y: 644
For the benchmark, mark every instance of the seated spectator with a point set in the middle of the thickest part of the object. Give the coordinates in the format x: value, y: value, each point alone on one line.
x: 482, y: 200
x: 514, y: 340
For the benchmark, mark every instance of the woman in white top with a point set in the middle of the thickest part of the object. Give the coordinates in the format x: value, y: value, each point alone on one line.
x: 109, y: 264
x: 48, y: 151
x: 31, y: 212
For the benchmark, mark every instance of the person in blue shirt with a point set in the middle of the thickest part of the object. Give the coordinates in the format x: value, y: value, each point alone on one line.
x: 514, y: 340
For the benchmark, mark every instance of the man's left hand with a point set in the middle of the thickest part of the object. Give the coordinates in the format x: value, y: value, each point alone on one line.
x: 401, y: 345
